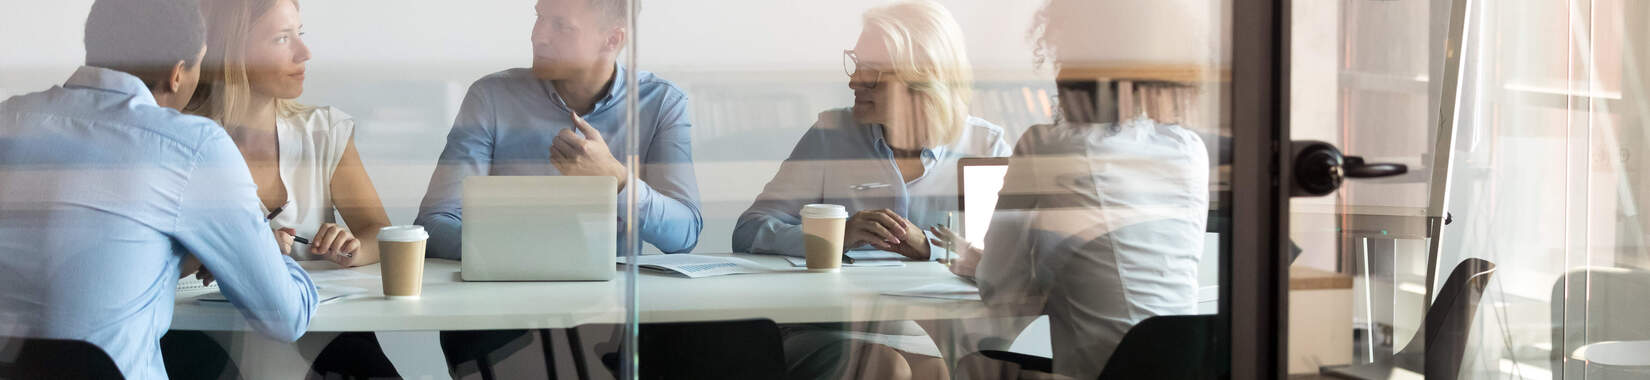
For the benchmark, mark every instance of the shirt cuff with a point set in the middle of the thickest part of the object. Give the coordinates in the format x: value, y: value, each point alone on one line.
x: 935, y: 252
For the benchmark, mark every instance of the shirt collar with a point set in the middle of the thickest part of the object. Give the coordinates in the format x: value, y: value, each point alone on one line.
x: 99, y: 78
x: 615, y: 92
x: 929, y: 155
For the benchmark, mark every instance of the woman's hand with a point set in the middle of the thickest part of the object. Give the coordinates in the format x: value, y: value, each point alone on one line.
x: 336, y: 244
x: 914, y: 244
x: 968, y: 255
x: 882, y: 229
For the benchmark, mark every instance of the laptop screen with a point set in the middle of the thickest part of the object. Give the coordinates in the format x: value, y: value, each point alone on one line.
x: 978, y: 182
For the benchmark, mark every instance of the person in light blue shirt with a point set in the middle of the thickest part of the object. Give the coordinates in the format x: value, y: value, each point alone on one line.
x: 891, y: 160
x: 565, y: 116
x: 108, y: 195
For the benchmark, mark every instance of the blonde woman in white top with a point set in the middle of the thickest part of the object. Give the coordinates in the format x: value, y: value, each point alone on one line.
x: 303, y: 158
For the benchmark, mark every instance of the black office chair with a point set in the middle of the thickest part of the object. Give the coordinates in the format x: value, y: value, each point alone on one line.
x: 1437, y: 349
x: 352, y: 356
x: 55, y: 359
x: 742, y: 349
x: 193, y: 355
x: 1161, y: 347
x: 475, y: 352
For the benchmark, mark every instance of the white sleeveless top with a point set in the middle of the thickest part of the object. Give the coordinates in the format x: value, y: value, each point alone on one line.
x: 311, y: 143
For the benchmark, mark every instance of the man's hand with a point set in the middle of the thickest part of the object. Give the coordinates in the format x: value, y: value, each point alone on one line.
x: 188, y: 266
x: 968, y: 256
x: 585, y: 156
x: 283, y: 240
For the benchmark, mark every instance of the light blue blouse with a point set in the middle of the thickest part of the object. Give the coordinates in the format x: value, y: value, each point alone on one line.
x: 839, y: 161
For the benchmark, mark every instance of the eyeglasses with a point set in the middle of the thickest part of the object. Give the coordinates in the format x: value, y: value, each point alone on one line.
x: 851, y: 66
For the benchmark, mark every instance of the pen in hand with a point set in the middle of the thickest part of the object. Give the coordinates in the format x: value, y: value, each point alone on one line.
x: 295, y: 238
x: 302, y: 240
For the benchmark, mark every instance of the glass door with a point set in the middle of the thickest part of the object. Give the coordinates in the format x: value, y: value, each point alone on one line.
x: 1510, y: 244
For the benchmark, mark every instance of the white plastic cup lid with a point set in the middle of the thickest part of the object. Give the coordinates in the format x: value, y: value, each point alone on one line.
x: 403, y: 233
x: 824, y: 211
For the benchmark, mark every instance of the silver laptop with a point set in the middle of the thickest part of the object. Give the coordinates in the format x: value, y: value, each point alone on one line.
x: 539, y: 228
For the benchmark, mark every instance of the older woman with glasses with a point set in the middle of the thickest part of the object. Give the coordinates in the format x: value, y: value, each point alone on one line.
x: 891, y: 159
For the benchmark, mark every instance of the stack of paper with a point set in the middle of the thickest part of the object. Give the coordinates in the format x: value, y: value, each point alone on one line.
x: 944, y: 290
x: 696, y: 266
x: 326, y: 294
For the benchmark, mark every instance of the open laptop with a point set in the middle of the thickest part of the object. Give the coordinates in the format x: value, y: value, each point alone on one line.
x: 979, y: 179
x: 539, y: 228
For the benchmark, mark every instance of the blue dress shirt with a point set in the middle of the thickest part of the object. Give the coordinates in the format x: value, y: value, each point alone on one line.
x: 839, y: 161
x: 505, y: 127
x: 102, y: 193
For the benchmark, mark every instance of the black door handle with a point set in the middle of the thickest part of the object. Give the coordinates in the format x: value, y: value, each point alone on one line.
x: 1320, y: 168
x: 1355, y: 167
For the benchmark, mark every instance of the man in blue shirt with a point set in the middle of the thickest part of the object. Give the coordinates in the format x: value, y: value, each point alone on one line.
x: 105, y: 188
x: 565, y: 116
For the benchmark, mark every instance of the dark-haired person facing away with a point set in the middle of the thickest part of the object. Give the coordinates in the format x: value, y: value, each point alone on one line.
x: 108, y: 195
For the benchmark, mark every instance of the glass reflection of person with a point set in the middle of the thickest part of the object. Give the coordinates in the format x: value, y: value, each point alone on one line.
x: 1101, y: 218
x: 565, y: 116
x: 302, y: 157
x: 891, y: 160
x: 109, y: 195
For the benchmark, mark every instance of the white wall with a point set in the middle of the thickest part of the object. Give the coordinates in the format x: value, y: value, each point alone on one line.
x: 758, y: 72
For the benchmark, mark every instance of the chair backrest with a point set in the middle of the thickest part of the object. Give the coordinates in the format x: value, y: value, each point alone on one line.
x: 742, y: 349
x: 1169, y: 347
x: 33, y: 358
x: 1605, y: 304
x: 1442, y: 341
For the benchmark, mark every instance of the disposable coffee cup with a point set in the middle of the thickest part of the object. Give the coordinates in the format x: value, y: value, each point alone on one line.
x: 401, y: 252
x: 822, y: 229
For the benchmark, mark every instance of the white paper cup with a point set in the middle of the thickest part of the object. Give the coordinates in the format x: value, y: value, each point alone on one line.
x: 401, y: 250
x: 823, y: 226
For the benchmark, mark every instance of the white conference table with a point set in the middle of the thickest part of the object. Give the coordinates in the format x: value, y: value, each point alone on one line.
x: 788, y: 295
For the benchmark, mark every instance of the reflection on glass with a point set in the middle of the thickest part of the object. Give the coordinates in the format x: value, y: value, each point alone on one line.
x: 891, y: 161
x: 1101, y: 217
x: 884, y: 130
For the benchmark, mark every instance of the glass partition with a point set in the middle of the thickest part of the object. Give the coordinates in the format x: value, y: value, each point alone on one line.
x: 619, y: 188
x: 1017, y: 186
x: 1541, y: 239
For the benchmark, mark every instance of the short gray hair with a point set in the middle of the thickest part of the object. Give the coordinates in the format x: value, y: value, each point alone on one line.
x: 613, y: 11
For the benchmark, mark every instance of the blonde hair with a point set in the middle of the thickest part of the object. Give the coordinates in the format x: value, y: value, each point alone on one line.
x: 927, y: 51
x: 224, y: 89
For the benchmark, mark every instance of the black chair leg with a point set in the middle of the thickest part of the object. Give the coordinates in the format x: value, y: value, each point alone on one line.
x: 549, y: 354
x: 485, y: 368
x: 577, y: 348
